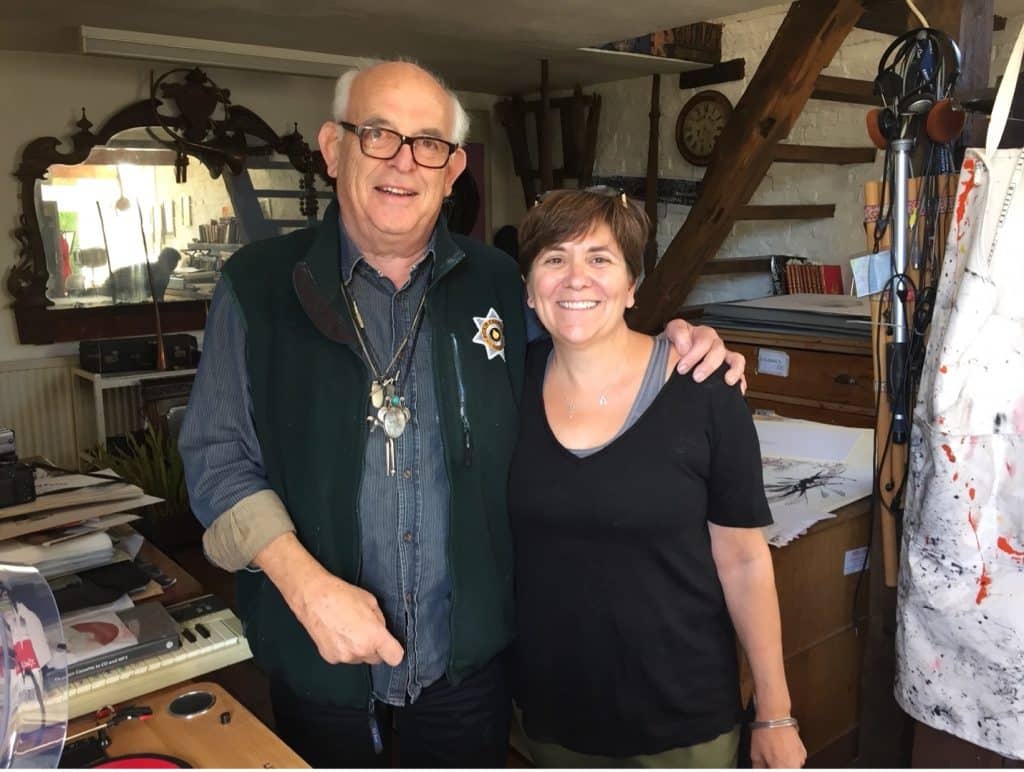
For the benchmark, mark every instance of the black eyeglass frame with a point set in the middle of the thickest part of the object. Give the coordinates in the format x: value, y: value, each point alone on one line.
x: 404, y: 140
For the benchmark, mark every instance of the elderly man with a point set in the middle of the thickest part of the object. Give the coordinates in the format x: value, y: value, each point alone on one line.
x: 348, y: 439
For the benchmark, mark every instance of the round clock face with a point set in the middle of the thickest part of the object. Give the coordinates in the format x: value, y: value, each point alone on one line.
x: 700, y: 122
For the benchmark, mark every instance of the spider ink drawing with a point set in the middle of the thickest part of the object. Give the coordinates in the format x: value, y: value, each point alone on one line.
x: 828, y: 480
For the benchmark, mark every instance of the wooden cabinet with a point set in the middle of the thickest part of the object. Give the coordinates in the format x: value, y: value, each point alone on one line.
x: 823, y: 606
x: 808, y: 376
x: 822, y: 602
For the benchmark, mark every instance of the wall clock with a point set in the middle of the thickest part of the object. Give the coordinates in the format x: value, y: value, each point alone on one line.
x: 700, y: 122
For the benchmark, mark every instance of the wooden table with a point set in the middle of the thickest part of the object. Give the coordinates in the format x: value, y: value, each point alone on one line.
x: 203, y: 740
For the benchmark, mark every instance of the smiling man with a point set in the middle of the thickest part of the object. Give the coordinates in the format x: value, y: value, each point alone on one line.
x: 348, y: 438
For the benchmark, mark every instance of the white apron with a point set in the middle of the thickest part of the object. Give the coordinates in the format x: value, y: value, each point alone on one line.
x: 960, y: 638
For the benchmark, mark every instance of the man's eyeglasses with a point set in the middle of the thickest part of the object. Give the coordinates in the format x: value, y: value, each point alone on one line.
x: 384, y: 144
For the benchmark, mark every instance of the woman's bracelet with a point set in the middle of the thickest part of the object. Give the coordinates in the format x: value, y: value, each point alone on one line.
x: 775, y: 723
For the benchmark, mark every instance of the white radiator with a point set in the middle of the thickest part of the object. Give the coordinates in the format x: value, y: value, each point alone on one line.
x: 40, y: 400
x: 35, y: 401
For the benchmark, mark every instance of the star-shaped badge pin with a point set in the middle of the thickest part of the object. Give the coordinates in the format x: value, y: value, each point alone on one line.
x: 490, y: 333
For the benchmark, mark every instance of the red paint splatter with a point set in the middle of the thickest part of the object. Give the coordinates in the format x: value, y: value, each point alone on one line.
x: 1004, y: 544
x: 971, y: 493
x: 949, y: 454
x: 956, y: 476
x: 984, y: 581
x: 942, y: 420
x: 943, y: 370
x: 961, y: 204
x: 1009, y: 469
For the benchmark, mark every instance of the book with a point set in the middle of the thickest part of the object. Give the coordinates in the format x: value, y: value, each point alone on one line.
x: 154, y: 631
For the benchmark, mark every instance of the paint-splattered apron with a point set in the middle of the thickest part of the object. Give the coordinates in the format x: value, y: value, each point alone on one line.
x: 960, y: 640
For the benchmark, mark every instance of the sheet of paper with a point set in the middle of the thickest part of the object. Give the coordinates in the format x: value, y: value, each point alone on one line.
x: 54, y: 483
x: 871, y: 272
x: 831, y: 305
x: 59, y: 517
x: 812, y: 486
x: 789, y: 523
x: 789, y: 438
x: 84, y: 496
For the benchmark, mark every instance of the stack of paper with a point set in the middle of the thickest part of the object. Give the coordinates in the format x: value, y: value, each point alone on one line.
x: 73, y: 499
x: 64, y: 557
x: 810, y: 470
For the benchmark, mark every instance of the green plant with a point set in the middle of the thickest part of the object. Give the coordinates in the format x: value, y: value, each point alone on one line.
x: 154, y: 464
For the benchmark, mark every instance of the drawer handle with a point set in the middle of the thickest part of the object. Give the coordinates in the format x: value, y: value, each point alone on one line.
x: 846, y: 380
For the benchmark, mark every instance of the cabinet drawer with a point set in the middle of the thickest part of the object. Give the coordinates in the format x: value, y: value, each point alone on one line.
x: 825, y: 376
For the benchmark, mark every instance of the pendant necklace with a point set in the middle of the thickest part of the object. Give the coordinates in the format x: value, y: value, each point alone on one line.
x: 388, y: 408
x: 602, y: 401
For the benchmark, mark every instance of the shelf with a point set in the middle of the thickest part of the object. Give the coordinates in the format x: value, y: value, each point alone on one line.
x: 858, y: 92
x: 787, y: 212
x: 732, y: 265
x: 210, y: 246
x: 821, y: 154
x: 133, y: 378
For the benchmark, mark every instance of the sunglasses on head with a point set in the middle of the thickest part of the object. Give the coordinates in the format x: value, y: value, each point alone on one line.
x: 600, y: 190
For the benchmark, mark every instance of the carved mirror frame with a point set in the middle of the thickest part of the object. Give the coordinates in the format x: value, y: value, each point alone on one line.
x: 218, y: 143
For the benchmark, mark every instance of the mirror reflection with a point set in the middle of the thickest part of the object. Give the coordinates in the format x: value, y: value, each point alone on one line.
x: 118, y: 228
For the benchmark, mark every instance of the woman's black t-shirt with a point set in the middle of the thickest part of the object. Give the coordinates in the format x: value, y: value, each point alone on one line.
x: 625, y: 645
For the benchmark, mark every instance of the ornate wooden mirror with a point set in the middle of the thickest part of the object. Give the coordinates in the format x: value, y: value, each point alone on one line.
x: 127, y: 213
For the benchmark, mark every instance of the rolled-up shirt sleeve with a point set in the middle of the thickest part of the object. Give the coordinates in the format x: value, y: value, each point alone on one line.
x: 227, y: 484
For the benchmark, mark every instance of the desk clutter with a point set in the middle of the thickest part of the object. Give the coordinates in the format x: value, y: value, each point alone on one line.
x: 120, y: 640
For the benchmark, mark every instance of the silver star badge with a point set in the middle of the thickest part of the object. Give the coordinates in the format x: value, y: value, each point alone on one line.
x: 490, y: 333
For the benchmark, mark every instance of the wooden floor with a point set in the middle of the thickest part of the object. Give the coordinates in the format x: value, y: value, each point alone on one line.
x: 245, y: 681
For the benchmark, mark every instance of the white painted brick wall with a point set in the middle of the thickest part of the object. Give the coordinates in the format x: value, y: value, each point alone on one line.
x: 622, y: 149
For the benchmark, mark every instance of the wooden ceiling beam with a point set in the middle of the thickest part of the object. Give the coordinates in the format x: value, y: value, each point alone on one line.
x: 808, y: 38
x: 965, y: 22
x: 893, y: 18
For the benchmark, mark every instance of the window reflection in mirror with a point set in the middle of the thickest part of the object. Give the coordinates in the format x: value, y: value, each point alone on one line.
x: 105, y: 219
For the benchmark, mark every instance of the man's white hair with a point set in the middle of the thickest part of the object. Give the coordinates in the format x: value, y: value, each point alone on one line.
x: 342, y: 89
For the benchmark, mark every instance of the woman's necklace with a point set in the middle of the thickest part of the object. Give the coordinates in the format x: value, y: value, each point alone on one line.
x: 602, y: 401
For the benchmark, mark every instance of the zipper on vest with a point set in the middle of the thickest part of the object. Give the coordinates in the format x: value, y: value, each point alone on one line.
x: 375, y: 736
x: 467, y: 439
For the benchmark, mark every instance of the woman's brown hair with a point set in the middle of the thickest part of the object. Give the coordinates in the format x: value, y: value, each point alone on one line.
x: 566, y: 215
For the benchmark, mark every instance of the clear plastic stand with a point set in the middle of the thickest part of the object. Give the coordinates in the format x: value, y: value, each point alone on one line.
x: 33, y: 692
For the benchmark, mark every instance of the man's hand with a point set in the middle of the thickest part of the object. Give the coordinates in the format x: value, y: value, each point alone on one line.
x: 777, y: 749
x: 702, y: 346
x: 344, y: 621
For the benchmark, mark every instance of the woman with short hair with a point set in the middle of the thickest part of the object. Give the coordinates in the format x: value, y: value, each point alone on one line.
x: 636, y: 500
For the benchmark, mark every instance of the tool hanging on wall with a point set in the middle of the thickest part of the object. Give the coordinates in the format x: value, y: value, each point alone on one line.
x: 918, y: 119
x: 579, y: 116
